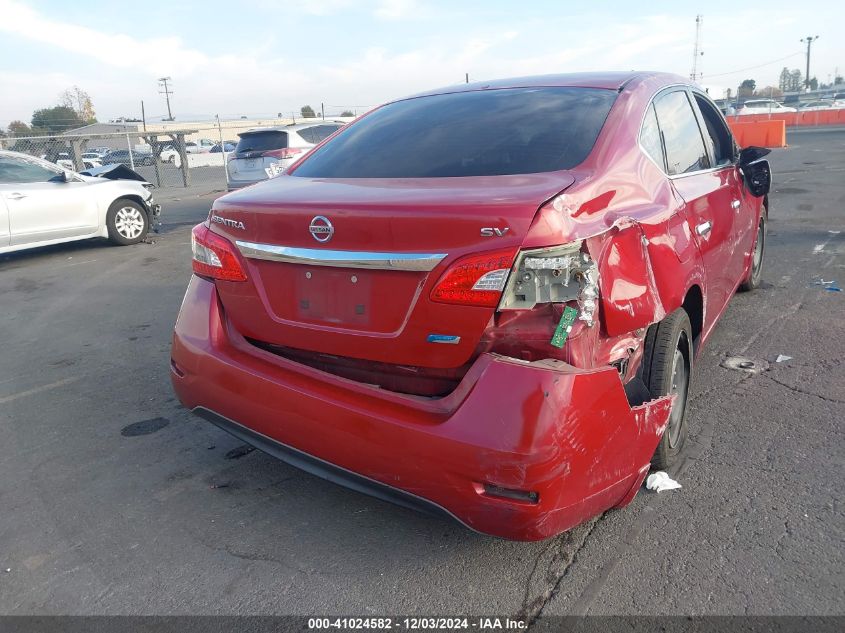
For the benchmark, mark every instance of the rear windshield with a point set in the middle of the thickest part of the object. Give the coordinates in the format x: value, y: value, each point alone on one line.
x: 480, y: 133
x: 262, y: 141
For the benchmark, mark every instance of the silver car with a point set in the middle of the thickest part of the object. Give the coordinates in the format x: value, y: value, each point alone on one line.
x: 42, y: 204
x: 270, y: 150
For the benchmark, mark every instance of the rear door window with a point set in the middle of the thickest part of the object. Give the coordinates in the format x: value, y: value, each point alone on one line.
x: 307, y: 133
x: 322, y: 132
x: 262, y: 141
x: 650, y: 138
x: 476, y: 133
x: 685, y: 151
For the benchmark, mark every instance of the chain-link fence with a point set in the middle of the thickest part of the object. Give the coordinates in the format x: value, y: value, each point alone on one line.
x: 171, y: 156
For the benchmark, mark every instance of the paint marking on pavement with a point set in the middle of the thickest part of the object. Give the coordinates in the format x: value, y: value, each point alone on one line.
x: 34, y: 390
x: 819, y: 248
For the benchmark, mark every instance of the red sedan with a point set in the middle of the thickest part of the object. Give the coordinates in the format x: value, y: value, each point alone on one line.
x: 483, y: 301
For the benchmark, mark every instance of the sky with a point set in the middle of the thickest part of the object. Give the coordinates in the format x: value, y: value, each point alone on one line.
x: 259, y: 57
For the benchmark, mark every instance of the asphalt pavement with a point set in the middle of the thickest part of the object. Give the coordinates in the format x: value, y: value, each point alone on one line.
x: 115, y: 500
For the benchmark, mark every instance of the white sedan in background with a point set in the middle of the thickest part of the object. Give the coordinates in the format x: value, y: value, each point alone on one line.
x: 763, y: 106
x: 42, y: 204
x: 825, y: 104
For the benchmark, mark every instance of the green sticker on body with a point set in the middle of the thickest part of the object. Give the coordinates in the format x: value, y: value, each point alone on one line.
x: 564, y: 326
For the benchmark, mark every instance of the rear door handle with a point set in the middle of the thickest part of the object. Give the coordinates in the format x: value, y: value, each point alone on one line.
x: 703, y: 228
x: 16, y: 196
x: 735, y: 205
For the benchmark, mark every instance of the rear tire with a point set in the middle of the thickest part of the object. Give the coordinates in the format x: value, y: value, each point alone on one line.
x: 127, y: 222
x: 666, y: 369
x: 754, y: 276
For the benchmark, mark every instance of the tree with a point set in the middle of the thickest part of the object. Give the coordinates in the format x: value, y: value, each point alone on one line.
x: 814, y: 84
x: 80, y: 102
x: 838, y: 80
x: 796, y: 80
x: 19, y: 128
x: 746, y: 88
x: 783, y: 81
x: 347, y: 113
x: 769, y: 91
x: 307, y: 112
x: 56, y: 119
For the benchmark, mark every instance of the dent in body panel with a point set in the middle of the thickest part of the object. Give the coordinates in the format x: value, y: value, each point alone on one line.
x: 577, y: 440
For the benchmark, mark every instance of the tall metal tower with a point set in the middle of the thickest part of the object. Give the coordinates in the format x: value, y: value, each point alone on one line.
x: 697, y: 52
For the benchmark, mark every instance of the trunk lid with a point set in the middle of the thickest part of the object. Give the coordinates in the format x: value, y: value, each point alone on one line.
x: 337, y: 295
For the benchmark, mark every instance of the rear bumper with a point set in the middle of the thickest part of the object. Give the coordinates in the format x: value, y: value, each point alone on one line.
x: 234, y: 185
x: 566, y: 435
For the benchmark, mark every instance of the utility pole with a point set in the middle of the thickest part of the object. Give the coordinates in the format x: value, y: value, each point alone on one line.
x: 696, y: 51
x: 467, y: 77
x: 162, y: 82
x: 143, y: 115
x: 809, y: 40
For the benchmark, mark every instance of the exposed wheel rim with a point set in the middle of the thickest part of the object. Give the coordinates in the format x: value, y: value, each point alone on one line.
x: 129, y: 223
x: 680, y: 384
x: 757, y: 261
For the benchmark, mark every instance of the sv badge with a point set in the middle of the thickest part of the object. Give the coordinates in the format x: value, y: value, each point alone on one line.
x: 493, y: 231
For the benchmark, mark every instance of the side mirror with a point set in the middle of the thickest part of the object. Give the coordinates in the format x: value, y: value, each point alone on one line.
x: 755, y: 171
x: 61, y: 177
x: 750, y: 154
x: 758, y: 177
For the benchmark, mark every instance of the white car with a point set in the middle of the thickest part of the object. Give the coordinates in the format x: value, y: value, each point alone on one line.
x: 170, y: 155
x: 267, y: 151
x: 826, y: 104
x: 199, y: 147
x: 89, y: 160
x: 42, y: 204
x: 763, y: 106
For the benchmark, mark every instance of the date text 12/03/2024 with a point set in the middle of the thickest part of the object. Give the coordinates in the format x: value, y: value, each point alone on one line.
x: 417, y: 623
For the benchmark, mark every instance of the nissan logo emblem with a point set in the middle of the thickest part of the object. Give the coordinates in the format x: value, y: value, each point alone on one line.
x: 321, y: 229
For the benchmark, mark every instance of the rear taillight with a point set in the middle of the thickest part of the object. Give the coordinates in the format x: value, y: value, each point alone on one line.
x: 475, y: 280
x: 285, y: 152
x: 214, y: 256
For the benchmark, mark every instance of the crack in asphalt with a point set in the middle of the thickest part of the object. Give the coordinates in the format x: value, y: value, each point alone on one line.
x: 558, y: 567
x: 803, y: 391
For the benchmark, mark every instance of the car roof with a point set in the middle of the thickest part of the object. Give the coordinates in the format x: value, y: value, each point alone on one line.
x: 6, y: 153
x: 291, y: 126
x: 760, y: 101
x: 613, y: 80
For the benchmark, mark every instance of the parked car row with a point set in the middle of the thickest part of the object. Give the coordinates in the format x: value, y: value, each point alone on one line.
x: 770, y: 106
x: 122, y: 157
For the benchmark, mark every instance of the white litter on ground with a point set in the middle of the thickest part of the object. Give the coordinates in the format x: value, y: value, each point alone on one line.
x: 781, y: 358
x: 660, y: 481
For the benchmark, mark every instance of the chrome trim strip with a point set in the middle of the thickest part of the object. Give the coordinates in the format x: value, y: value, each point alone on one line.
x: 341, y: 259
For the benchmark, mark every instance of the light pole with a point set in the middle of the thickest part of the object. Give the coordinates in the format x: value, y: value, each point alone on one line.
x: 166, y: 92
x: 809, y: 39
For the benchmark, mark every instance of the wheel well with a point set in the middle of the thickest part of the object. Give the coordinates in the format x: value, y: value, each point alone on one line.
x: 693, y: 305
x: 133, y: 198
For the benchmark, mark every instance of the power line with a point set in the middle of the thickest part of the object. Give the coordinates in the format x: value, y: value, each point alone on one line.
x: 741, y: 70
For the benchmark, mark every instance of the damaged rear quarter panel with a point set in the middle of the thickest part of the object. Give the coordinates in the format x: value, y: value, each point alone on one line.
x: 588, y: 447
x: 646, y: 271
